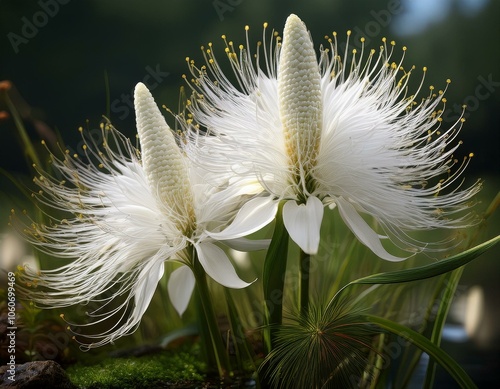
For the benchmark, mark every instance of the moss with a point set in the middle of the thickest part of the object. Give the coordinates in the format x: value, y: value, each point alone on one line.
x: 148, y: 371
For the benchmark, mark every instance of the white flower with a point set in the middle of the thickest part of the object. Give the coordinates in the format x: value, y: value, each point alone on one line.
x: 340, y: 131
x: 131, y: 211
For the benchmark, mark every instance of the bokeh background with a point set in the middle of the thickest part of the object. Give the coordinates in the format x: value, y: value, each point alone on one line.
x: 73, y: 61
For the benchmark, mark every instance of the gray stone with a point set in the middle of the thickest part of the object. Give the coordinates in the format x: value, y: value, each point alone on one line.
x: 36, y: 375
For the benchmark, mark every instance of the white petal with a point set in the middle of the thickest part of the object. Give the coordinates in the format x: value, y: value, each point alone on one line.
x: 363, y: 231
x: 252, y: 216
x: 244, y: 244
x: 218, y: 266
x: 303, y: 223
x: 145, y: 287
x: 180, y: 288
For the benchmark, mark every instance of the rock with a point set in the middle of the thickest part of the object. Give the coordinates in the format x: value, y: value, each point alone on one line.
x: 36, y: 375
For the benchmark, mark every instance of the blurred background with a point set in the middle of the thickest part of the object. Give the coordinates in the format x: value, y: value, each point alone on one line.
x: 71, y: 62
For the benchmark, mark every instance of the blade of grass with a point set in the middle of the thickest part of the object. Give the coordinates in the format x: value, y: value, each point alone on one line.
x: 25, y: 139
x: 420, y: 341
x: 424, y: 329
x: 426, y: 271
x: 437, y: 329
x: 242, y: 346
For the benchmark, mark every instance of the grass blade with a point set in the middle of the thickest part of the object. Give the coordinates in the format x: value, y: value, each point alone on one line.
x: 428, y: 271
x: 451, y: 281
x: 420, y: 341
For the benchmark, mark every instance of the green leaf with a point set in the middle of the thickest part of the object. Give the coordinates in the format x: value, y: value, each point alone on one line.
x: 420, y: 341
x: 427, y: 271
x: 451, y: 281
x: 273, y: 277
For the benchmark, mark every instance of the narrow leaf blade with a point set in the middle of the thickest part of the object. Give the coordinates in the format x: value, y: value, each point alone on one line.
x: 431, y: 270
x: 420, y: 341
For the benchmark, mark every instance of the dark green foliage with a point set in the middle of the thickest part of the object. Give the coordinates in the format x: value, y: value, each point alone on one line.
x: 327, y: 348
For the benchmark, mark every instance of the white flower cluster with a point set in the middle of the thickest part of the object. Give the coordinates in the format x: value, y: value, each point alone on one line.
x: 342, y: 131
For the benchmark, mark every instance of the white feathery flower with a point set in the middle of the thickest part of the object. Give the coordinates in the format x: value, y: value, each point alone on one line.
x: 335, y: 131
x: 129, y: 212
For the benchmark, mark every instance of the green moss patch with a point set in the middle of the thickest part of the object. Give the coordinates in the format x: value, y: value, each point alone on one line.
x: 151, y: 371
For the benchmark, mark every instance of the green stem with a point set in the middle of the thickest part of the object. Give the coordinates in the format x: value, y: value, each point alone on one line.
x: 25, y: 139
x: 273, y: 278
x: 209, y: 329
x: 305, y: 265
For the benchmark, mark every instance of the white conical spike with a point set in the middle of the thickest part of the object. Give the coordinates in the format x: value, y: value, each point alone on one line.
x: 299, y: 92
x: 163, y: 163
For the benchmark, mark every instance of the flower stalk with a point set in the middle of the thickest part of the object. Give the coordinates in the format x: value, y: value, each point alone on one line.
x: 215, y: 352
x: 304, y: 272
x: 273, y: 279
